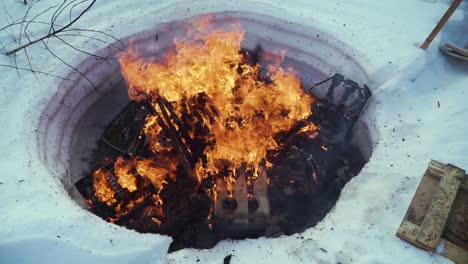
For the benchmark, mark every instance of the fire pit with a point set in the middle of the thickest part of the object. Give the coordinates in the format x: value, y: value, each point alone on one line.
x: 220, y: 135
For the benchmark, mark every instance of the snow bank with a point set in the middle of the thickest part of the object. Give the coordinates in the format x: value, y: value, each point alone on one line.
x: 41, y: 224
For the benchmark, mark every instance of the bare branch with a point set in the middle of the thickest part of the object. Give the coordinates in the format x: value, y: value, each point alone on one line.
x: 27, y: 55
x: 12, y: 21
x: 36, y: 16
x: 60, y: 34
x: 24, y: 21
x: 58, y: 12
x: 97, y: 31
x: 73, y: 7
x: 39, y: 72
x: 70, y: 66
x: 72, y: 29
x: 93, y: 38
x: 29, y: 61
x: 54, y: 32
x: 54, y: 15
x: 85, y: 52
x: 16, y: 64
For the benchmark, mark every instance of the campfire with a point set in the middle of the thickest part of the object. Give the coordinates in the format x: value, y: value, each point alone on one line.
x: 220, y: 141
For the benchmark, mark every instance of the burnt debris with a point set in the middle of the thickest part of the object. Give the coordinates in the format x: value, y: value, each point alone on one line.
x: 302, y: 184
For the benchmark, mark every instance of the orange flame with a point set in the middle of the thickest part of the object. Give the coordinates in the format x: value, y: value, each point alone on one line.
x: 103, y: 190
x: 243, y: 112
x: 249, y: 111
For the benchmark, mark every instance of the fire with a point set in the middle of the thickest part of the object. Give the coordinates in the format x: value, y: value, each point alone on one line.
x: 208, y: 83
x: 103, y: 189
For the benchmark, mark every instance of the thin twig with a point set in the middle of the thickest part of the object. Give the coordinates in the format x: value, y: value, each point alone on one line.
x: 96, y: 31
x: 72, y: 29
x: 73, y: 7
x: 70, y: 66
x: 29, y: 61
x: 85, y: 52
x: 26, y: 53
x: 51, y: 33
x: 16, y: 64
x: 24, y: 21
x: 3, y: 46
x: 93, y: 38
x: 36, y: 16
x: 12, y: 21
x: 60, y: 11
x: 39, y: 72
x: 52, y: 19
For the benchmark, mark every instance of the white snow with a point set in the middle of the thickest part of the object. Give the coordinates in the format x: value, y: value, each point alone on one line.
x: 39, y: 223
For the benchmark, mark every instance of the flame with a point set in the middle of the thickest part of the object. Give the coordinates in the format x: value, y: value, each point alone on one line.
x: 124, y: 177
x: 315, y: 177
x: 249, y: 111
x: 310, y: 129
x: 242, y: 110
x: 103, y: 190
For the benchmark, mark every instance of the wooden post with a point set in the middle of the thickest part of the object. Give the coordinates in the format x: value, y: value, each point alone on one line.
x: 441, y: 23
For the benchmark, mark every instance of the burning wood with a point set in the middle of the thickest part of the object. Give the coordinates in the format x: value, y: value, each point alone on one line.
x: 260, y: 194
x: 124, y: 134
x: 216, y: 148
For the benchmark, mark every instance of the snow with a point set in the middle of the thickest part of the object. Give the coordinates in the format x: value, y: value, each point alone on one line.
x: 41, y: 224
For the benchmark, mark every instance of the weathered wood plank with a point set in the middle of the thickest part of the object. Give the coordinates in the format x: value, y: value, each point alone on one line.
x: 454, y: 252
x: 434, y: 222
x: 422, y: 200
x: 241, y: 214
x: 221, y: 194
x: 409, y: 231
x: 261, y: 193
x: 458, y: 217
x: 436, y: 169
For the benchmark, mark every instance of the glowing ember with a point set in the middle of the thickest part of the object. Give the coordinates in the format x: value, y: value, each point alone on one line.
x: 224, y: 103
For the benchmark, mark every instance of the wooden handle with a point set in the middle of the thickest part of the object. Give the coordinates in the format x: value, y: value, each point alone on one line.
x: 441, y: 23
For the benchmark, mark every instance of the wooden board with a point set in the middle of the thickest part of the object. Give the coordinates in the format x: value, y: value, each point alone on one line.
x: 454, y: 51
x: 437, y: 218
x: 437, y: 214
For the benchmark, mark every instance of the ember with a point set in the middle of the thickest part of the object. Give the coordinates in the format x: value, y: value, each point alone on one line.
x: 214, y: 145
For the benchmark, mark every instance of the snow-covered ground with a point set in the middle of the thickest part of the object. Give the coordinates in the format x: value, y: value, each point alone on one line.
x: 418, y: 112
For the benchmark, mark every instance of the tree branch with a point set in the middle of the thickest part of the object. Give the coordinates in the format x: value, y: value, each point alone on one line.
x: 54, y: 32
x: 70, y: 66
